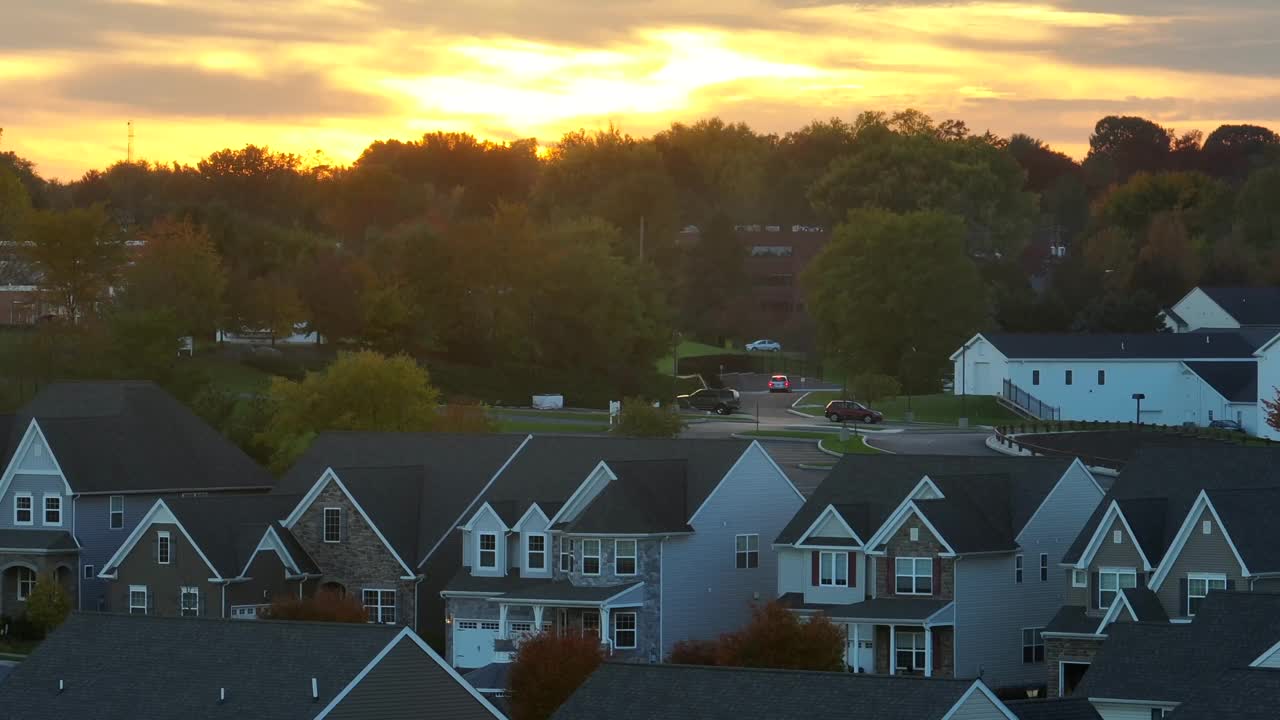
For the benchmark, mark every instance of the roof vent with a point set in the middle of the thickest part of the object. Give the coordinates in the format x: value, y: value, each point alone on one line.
x: 315, y: 693
x: 61, y: 687
x: 1206, y: 339
x: 222, y: 695
x: 1121, y: 346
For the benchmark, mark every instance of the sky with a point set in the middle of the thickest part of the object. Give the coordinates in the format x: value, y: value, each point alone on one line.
x: 331, y: 76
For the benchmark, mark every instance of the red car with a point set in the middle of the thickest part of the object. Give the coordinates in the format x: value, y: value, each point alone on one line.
x: 851, y: 411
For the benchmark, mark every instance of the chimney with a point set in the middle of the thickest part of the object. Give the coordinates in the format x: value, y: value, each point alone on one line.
x: 315, y: 693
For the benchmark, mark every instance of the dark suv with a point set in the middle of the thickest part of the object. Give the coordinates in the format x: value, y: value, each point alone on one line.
x: 721, y: 401
x: 850, y: 411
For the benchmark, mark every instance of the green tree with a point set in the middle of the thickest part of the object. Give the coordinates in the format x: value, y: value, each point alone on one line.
x: 333, y: 287
x: 359, y: 391
x: 48, y: 604
x: 798, y: 160
x: 1202, y: 202
x: 269, y: 303
x: 547, y: 669
x: 15, y: 205
x: 1257, y: 214
x: 80, y: 253
x: 717, y: 167
x: 641, y: 419
x: 1169, y: 263
x: 179, y: 270
x: 715, y: 281
x: 1131, y: 144
x: 887, y: 283
x: 1232, y: 151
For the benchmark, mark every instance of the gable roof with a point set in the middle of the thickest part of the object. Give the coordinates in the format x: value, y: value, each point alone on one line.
x: 1145, y: 604
x: 123, y: 666
x: 1200, y: 344
x: 988, y: 499
x: 227, y: 529
x: 688, y: 692
x: 1171, y: 662
x: 27, y: 540
x: 1236, y: 382
x: 648, y: 496
x: 1248, y: 305
x: 131, y: 436
x: 1242, y: 512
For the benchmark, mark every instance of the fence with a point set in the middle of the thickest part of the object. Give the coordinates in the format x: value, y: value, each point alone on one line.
x: 1029, y: 403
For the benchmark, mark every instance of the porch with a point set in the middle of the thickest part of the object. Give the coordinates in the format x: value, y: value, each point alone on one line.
x: 894, y: 636
x: 27, y: 554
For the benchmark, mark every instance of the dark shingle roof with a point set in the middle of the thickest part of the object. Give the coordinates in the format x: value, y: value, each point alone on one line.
x: 1146, y: 604
x: 227, y: 528
x: 1234, y: 381
x: 1060, y: 709
x: 36, y: 539
x: 1159, y: 485
x: 133, y: 437
x: 1074, y: 620
x: 532, y: 588
x: 1148, y: 346
x: 1240, y: 694
x: 122, y: 666
x: 989, y: 499
x: 299, y: 554
x: 881, y: 608
x: 1248, y: 305
x: 647, y: 497
x: 1171, y: 662
x: 687, y: 692
x: 494, y: 676
x: 1247, y: 515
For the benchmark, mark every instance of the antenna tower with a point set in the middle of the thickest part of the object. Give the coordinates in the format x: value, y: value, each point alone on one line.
x: 130, y: 155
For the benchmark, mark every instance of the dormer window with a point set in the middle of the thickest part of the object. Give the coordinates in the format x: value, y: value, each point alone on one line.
x: 537, y: 552
x: 488, y: 550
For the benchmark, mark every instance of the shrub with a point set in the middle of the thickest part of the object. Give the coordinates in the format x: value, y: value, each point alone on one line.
x: 873, y: 387
x: 48, y: 604
x: 324, y: 606
x: 467, y: 418
x: 695, y: 652
x: 274, y: 364
x: 546, y: 671
x: 641, y: 419
x: 774, y: 638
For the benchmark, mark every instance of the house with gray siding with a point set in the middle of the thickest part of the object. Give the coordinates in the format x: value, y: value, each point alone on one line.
x: 1176, y: 525
x: 938, y: 566
x: 642, y: 543
x: 82, y: 463
x: 113, y: 667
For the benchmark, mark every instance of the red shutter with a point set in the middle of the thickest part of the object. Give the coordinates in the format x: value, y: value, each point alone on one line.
x: 890, y: 577
x: 937, y: 576
x: 814, y: 555
x: 853, y: 570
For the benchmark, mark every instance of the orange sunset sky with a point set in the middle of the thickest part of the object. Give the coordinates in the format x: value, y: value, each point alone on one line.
x: 302, y: 75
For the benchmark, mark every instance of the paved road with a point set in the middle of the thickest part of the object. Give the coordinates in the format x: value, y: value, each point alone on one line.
x: 934, y: 442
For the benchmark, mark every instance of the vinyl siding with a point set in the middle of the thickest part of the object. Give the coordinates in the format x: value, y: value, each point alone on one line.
x: 977, y: 707
x: 1200, y: 311
x: 831, y: 527
x: 704, y: 594
x: 99, y: 542
x: 185, y: 569
x: 487, y: 521
x: 1201, y: 554
x: 408, y: 685
x: 38, y: 486
x: 992, y: 609
x: 1116, y: 711
x: 1266, y: 585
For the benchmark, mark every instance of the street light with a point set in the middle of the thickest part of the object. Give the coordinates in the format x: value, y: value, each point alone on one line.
x: 1139, y: 397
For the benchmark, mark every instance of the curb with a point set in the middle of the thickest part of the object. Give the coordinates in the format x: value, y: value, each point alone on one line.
x: 800, y: 399
x: 999, y: 447
x: 811, y: 466
x: 835, y: 430
x: 865, y: 441
x: 761, y: 438
x: 797, y: 413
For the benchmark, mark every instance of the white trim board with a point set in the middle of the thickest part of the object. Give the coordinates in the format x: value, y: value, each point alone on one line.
x: 979, y: 686
x: 519, y: 526
x: 271, y: 541
x: 33, y: 431
x: 330, y: 476
x: 600, y: 467
x: 898, y: 518
x: 1189, y: 524
x: 829, y: 511
x: 159, y: 513
x: 1099, y: 537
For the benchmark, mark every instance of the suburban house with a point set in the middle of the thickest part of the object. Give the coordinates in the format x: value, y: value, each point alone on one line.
x: 641, y: 542
x: 83, y: 463
x: 1176, y: 525
x: 622, y: 691
x: 938, y: 566
x: 1225, y: 308
x: 1225, y: 663
x: 114, y: 667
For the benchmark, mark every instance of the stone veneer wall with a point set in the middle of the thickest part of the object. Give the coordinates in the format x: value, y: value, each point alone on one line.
x: 1069, y: 650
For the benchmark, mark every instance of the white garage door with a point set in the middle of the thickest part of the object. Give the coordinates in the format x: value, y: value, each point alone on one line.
x: 473, y: 642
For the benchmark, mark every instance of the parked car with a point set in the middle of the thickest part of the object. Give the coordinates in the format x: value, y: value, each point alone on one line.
x: 721, y: 401
x: 849, y: 410
x: 779, y: 383
x: 764, y: 346
x: 1231, y: 425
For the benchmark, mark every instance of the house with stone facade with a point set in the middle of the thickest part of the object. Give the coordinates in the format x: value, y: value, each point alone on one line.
x: 640, y: 542
x: 1176, y: 525
x: 80, y: 466
x: 938, y: 566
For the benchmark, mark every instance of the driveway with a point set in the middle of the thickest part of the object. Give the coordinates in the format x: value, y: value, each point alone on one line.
x: 934, y: 442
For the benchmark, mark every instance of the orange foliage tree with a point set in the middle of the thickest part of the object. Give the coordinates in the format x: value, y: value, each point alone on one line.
x: 546, y: 671
x: 774, y: 638
x: 324, y: 606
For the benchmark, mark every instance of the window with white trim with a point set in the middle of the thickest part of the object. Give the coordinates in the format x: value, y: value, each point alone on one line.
x: 1017, y: 569
x: 624, y: 630
x: 332, y: 524
x: 488, y: 550
x: 590, y: 557
x: 521, y: 629
x: 1117, y: 536
x: 833, y: 569
x: 913, y: 576
x: 380, y: 605
x: 115, y: 520
x: 1044, y: 567
x: 747, y: 551
x: 189, y: 602
x: 914, y: 534
x: 1199, y: 585
x: 1111, y: 581
x: 591, y: 623
x: 1032, y: 645
x: 23, y: 508
x: 26, y: 582
x: 138, y: 599
x: 1206, y: 527
x: 1079, y: 578
x: 246, y: 612
x: 909, y: 651
x: 624, y: 557
x: 568, y: 558
x: 490, y: 625
x: 89, y: 573
x: 164, y: 549
x: 536, y: 551
x: 52, y: 509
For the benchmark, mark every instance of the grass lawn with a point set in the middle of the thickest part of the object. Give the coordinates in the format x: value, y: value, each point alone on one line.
x: 521, y: 426
x: 690, y: 348
x: 799, y: 434
x: 854, y: 446
x: 232, y: 375
x: 522, y: 413
x: 941, y: 408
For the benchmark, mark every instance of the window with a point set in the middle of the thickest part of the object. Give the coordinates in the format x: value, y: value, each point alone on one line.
x: 332, y: 524
x: 1198, y: 586
x: 89, y: 574
x: 914, y: 534
x: 137, y: 599
x: 1035, y: 377
x: 909, y: 648
x: 1068, y: 377
x: 834, y: 569
x: 1206, y: 527
x: 624, y: 630
x: 1159, y: 713
x: 537, y: 555
x: 190, y: 602
x: 1102, y: 377
x: 164, y: 553
x: 522, y: 629
x: 1017, y: 569
x: 591, y: 623
x: 26, y: 582
x: 624, y: 557
x: 381, y: 606
x: 747, y: 551
x: 52, y: 509
x: 1111, y: 582
x: 590, y: 557
x: 1117, y: 536
x: 567, y: 554
x: 244, y: 612
x: 116, y: 521
x: 1044, y: 567
x: 914, y: 576
x: 22, y: 512
x: 1032, y: 645
x: 488, y: 550
x: 1079, y: 578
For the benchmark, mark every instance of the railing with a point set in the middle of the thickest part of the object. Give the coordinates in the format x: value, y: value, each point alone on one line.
x: 1029, y: 403
x: 1022, y: 437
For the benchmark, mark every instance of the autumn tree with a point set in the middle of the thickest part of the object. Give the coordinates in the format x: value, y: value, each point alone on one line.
x: 1233, y: 151
x: 334, y: 288
x: 269, y: 303
x: 179, y: 270
x: 80, y: 254
x: 1272, y: 408
x: 48, y: 604
x: 547, y: 669
x: 775, y: 637
x: 1168, y: 263
x: 324, y: 606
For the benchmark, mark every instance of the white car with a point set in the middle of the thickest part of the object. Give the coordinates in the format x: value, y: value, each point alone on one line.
x: 764, y: 346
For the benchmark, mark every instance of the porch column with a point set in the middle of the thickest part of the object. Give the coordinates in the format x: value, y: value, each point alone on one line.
x: 606, y: 630
x: 537, y: 619
x: 928, y: 651
x: 893, y: 650
x: 857, y: 648
x: 502, y: 621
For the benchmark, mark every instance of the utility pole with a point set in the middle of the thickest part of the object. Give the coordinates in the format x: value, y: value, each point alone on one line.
x: 129, y: 156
